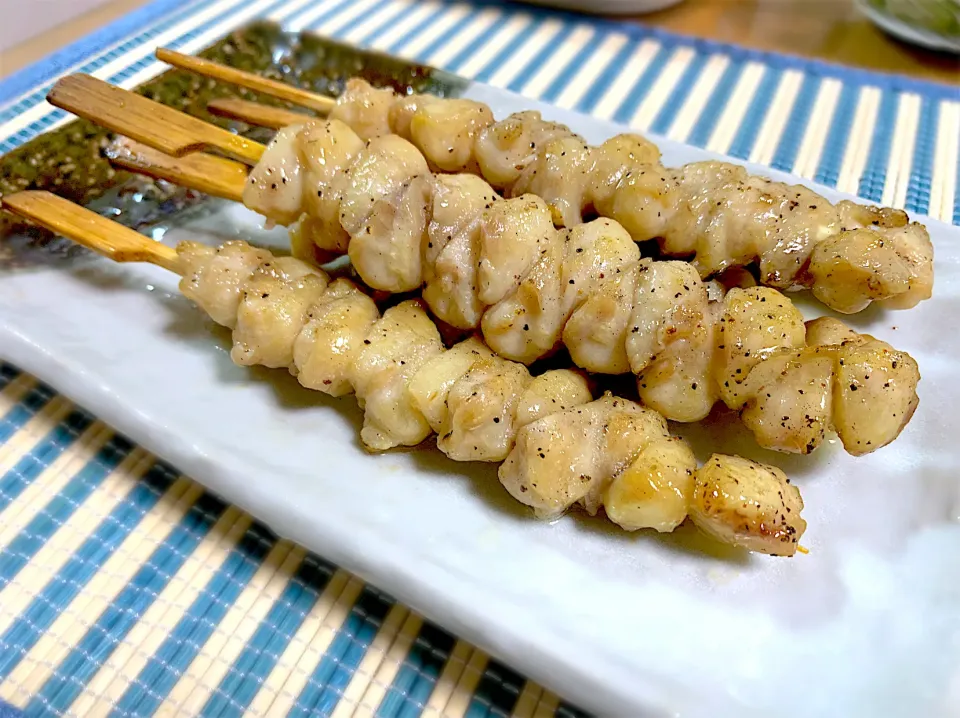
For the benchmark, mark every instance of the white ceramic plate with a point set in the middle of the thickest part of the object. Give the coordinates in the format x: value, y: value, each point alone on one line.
x: 637, y: 625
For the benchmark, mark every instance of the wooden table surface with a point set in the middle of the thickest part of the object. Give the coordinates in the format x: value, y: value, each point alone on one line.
x: 826, y: 29
x: 832, y: 30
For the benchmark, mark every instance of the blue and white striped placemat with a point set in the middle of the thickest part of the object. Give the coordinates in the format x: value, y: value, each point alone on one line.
x: 125, y: 588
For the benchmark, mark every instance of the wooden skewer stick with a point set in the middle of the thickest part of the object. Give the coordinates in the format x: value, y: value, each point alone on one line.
x: 281, y: 90
x: 210, y: 174
x: 253, y: 113
x: 152, y: 123
x: 104, y: 236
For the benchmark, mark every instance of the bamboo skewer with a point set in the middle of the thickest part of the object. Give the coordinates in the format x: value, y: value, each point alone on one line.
x: 103, y: 236
x: 160, y: 141
x: 254, y: 113
x: 210, y: 174
x: 249, y: 80
x: 152, y: 123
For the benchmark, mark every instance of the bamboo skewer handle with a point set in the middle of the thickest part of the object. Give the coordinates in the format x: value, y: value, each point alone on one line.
x: 254, y: 113
x: 152, y: 123
x: 210, y: 174
x: 208, y: 68
x: 104, y: 236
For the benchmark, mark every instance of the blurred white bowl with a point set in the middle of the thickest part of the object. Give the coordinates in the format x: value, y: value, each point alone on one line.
x: 608, y: 7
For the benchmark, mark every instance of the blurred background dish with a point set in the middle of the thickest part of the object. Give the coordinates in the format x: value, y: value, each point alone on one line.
x: 933, y: 24
x: 609, y: 7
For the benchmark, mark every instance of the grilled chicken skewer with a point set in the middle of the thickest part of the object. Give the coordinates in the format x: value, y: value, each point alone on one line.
x: 715, y: 212
x: 558, y: 446
x: 500, y: 265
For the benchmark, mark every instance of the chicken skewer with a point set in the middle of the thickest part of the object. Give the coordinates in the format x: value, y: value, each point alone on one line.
x: 558, y: 446
x: 501, y: 266
x: 715, y: 212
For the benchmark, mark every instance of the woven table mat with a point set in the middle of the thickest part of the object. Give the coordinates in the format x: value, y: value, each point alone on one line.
x: 126, y: 589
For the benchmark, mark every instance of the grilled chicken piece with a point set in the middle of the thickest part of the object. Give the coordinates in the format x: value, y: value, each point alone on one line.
x: 598, y: 279
x: 560, y: 175
x: 615, y: 163
x: 756, y: 323
x: 431, y: 386
x: 552, y: 391
x: 504, y: 149
x: 654, y: 490
x: 510, y: 237
x: 213, y: 278
x: 383, y: 208
x: 275, y: 186
x: 325, y: 349
x: 671, y: 339
x: 327, y: 150
x: 747, y: 504
x: 550, y: 475
x: 878, y: 255
x: 526, y: 324
x: 444, y: 129
x: 273, y: 308
x: 398, y: 344
x: 481, y: 411
x: 452, y: 252
x: 874, y: 385
x: 364, y: 108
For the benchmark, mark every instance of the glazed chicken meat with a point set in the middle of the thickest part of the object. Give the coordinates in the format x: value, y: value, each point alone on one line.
x: 500, y: 266
x: 559, y: 446
x: 713, y: 212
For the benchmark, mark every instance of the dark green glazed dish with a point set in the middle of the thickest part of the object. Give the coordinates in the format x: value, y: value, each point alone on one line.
x: 70, y: 161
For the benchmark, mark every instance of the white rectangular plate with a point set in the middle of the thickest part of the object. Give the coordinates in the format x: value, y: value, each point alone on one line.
x: 624, y: 624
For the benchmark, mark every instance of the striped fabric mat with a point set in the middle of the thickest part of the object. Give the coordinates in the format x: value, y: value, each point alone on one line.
x: 889, y: 139
x: 127, y: 590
